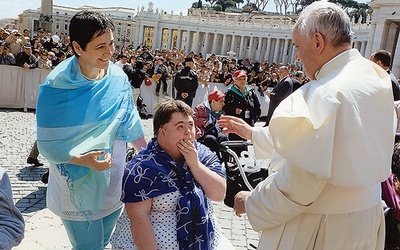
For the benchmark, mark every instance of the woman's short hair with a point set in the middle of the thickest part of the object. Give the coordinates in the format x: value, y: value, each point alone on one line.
x: 86, y: 24
x: 164, y: 111
x: 328, y: 19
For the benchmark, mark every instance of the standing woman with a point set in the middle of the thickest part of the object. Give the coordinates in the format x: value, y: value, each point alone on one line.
x: 241, y: 101
x: 85, y: 116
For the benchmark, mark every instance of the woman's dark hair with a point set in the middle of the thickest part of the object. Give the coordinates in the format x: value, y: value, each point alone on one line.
x: 86, y: 24
x: 164, y: 111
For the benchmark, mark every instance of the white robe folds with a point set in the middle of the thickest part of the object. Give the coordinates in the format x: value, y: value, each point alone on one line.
x: 331, y: 143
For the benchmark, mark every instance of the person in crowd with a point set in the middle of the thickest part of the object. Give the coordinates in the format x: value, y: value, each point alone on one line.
x: 41, y: 32
x: 324, y: 186
x: 6, y: 57
x: 26, y: 59
x: 15, y: 42
x: 176, y: 56
x: 242, y: 101
x: 391, y: 197
x: 53, y: 44
x: 297, y: 80
x: 161, y: 72
x: 148, y: 66
x: 122, y: 60
x: 203, y: 75
x: 60, y: 57
x: 186, y: 82
x: 145, y: 54
x: 205, y: 117
x: 27, y: 34
x: 33, y: 156
x: 53, y: 59
x: 36, y: 53
x: 280, y: 91
x: 12, y: 223
x: 168, y: 188
x: 43, y: 61
x: 384, y: 59
x: 85, y: 118
x: 225, y: 75
x: 258, y: 81
x: 136, y: 75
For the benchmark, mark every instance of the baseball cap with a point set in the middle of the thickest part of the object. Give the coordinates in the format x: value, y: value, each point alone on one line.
x: 40, y: 30
x: 239, y: 73
x: 216, y: 95
x: 27, y: 46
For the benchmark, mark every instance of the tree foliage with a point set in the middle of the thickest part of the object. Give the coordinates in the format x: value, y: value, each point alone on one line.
x: 357, y: 11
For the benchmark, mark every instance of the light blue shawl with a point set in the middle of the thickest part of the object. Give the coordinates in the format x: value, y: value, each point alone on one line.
x: 76, y: 115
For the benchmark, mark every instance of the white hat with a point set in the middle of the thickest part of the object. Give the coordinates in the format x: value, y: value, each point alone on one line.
x: 55, y: 38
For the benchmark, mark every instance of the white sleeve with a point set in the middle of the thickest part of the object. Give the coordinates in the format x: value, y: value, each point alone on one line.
x: 282, y: 196
x: 262, y: 141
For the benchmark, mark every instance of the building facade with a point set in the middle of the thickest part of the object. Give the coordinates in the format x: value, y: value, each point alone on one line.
x: 252, y: 35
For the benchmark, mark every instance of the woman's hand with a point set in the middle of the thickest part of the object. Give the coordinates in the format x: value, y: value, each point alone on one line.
x: 232, y: 124
x: 91, y: 160
x: 213, y: 184
x: 189, y: 152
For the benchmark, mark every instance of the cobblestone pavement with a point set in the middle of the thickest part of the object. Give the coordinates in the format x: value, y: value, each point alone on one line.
x: 17, y: 135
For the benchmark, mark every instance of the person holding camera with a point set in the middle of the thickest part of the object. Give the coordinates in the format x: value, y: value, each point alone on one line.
x: 15, y: 41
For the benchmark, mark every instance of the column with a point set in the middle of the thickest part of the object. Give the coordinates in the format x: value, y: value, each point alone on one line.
x: 206, y: 43
x: 267, y: 55
x: 378, y: 36
x: 233, y: 44
x: 372, y: 35
x: 396, y: 59
x: 285, y: 51
x: 215, y: 44
x: 223, y: 47
x: 196, y: 43
x: 241, y: 47
x: 169, y: 43
x: 276, y: 50
x: 188, y: 41
x: 259, y: 52
x: 136, y: 42
x: 293, y: 52
x: 140, y: 36
x: 179, y: 40
x: 250, y: 55
x: 156, y: 37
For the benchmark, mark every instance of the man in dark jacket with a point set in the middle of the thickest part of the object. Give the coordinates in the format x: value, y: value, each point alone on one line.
x: 26, y: 59
x: 383, y: 59
x: 279, y: 92
x: 186, y: 83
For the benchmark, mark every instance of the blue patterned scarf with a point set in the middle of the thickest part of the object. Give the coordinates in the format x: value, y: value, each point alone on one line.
x: 152, y: 172
x: 75, y: 116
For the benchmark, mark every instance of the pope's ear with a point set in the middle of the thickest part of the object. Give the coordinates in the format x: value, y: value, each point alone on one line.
x: 319, y: 42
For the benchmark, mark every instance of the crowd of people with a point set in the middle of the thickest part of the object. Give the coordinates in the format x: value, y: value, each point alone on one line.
x: 330, y: 144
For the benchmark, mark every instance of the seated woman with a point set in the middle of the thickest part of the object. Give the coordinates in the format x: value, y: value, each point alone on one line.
x: 205, y: 117
x: 168, y: 188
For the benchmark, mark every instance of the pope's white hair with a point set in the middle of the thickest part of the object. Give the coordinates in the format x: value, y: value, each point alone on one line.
x: 328, y: 19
